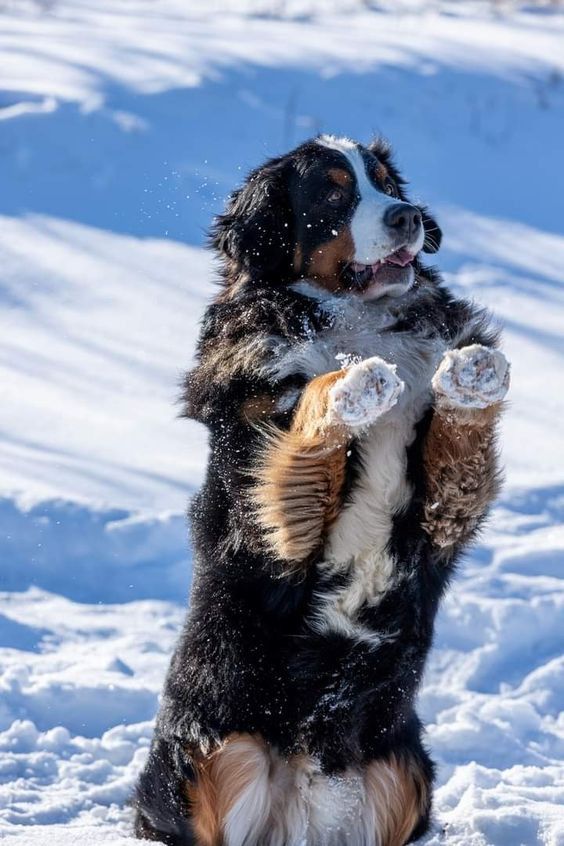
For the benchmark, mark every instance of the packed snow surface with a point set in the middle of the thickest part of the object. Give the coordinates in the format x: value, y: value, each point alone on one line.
x: 123, y: 126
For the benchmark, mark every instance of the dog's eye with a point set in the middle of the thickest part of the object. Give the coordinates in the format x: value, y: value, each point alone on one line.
x: 335, y: 196
x: 390, y: 188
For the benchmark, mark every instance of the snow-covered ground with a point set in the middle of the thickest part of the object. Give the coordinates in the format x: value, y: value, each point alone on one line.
x: 123, y: 124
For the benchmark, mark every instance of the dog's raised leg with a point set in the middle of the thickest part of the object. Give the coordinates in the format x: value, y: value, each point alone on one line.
x: 301, y: 471
x: 460, y: 453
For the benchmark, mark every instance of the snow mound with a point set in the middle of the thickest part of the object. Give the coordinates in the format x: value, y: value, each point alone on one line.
x: 77, y: 699
x: 87, y: 554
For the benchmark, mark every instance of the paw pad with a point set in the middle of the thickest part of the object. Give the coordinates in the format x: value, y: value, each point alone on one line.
x: 369, y: 389
x: 472, y: 377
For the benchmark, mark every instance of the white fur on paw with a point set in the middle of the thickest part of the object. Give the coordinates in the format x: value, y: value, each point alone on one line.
x: 472, y: 377
x: 370, y: 388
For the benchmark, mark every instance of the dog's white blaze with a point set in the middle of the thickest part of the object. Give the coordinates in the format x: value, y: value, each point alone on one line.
x: 370, y: 235
x: 371, y: 238
x: 336, y: 142
x: 372, y: 241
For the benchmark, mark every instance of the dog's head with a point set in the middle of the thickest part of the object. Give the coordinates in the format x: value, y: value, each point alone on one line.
x: 332, y: 211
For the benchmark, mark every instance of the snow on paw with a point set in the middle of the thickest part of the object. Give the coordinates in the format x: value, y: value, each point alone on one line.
x: 366, y: 392
x: 472, y: 377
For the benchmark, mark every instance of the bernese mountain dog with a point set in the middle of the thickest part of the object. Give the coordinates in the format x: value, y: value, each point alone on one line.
x: 351, y: 402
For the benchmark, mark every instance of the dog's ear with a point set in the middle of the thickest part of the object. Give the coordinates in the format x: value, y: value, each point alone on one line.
x: 381, y: 148
x: 433, y: 232
x: 255, y: 232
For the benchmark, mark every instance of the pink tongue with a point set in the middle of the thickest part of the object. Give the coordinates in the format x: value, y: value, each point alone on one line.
x: 402, y: 257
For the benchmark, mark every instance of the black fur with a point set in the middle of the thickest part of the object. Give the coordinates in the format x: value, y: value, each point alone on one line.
x: 247, y: 661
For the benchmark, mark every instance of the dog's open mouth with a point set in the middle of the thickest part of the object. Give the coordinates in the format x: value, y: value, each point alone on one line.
x: 393, y: 273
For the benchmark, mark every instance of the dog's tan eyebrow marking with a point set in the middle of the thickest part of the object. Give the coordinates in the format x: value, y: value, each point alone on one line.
x: 257, y: 408
x: 341, y: 177
x: 381, y: 172
x: 298, y: 258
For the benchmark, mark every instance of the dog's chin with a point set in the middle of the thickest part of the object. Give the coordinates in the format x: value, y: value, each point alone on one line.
x: 391, y: 277
x: 389, y: 281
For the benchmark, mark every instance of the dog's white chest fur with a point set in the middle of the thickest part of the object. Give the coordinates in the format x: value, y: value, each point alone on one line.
x: 358, y: 544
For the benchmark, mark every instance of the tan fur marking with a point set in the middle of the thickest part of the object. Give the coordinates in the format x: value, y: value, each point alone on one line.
x: 462, y: 475
x: 257, y: 408
x: 327, y: 260
x: 203, y: 805
x: 298, y: 259
x: 381, y: 173
x: 300, y: 475
x: 341, y: 177
x: 221, y: 778
x: 399, y: 794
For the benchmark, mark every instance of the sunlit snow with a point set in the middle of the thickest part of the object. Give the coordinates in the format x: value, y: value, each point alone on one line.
x: 122, y: 128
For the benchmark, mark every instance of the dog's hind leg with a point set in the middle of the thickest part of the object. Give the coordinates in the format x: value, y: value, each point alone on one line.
x: 460, y: 454
x: 162, y: 810
x: 398, y: 798
x: 301, y: 471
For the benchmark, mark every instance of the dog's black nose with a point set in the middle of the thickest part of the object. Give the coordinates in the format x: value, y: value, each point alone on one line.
x: 403, y: 219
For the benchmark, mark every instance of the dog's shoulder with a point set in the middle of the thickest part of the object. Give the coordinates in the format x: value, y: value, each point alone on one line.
x: 241, y: 336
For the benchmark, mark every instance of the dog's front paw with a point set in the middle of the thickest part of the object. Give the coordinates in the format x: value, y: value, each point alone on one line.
x: 369, y: 389
x: 472, y: 377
